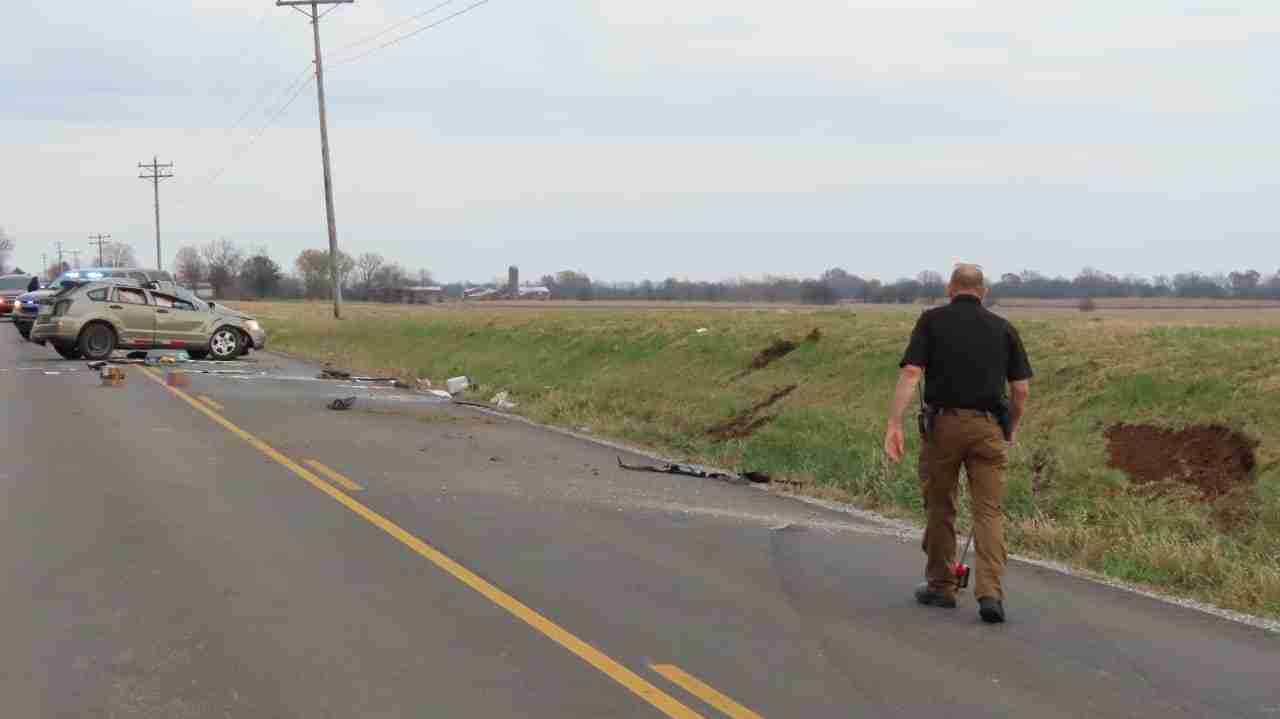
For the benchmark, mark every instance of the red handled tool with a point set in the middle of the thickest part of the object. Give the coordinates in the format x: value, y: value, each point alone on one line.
x: 960, y: 568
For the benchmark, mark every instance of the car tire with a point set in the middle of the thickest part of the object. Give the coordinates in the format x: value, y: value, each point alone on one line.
x: 225, y: 343
x: 25, y: 331
x: 97, y: 342
x: 68, y: 352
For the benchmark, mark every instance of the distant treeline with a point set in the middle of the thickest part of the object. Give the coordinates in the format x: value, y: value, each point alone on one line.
x: 227, y: 271
x: 837, y: 285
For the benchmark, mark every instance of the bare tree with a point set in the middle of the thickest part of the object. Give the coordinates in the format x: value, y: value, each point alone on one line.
x: 392, y: 275
x: 932, y: 285
x: 118, y: 254
x: 189, y: 267
x: 367, y: 265
x: 223, y: 260
x: 313, y: 266
x: 7, y: 244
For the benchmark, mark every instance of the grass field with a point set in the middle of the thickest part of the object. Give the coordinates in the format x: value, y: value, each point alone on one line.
x: 648, y: 376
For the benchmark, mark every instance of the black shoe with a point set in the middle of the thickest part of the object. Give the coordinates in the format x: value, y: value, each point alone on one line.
x: 930, y: 598
x: 991, y: 610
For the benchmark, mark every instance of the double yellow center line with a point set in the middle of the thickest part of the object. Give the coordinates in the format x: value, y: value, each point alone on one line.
x: 642, y: 688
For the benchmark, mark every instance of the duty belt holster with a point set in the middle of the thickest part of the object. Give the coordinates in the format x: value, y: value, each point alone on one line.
x: 1005, y: 420
x: 926, y: 417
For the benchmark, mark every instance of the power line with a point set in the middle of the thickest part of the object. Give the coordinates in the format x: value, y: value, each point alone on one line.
x: 408, y: 35
x: 270, y: 122
x: 392, y: 26
x: 269, y: 90
x: 294, y: 91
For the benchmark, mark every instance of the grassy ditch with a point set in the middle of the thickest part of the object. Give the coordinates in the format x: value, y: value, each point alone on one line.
x: 652, y: 377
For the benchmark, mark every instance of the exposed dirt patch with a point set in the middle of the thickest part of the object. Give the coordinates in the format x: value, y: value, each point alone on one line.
x: 1211, y: 457
x: 746, y: 422
x: 776, y: 351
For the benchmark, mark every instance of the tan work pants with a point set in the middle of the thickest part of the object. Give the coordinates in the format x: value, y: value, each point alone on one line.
x: 972, y: 440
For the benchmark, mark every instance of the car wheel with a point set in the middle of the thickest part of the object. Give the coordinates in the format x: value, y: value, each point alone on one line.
x: 70, y: 352
x: 225, y: 343
x: 97, y: 342
x: 25, y: 331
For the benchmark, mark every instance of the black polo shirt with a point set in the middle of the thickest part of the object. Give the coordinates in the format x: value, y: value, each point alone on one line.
x: 968, y: 354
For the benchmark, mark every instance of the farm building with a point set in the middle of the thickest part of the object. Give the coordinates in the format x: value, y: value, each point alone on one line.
x: 407, y: 295
x: 535, y: 293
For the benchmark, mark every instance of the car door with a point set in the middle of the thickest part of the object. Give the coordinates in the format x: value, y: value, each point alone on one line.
x: 134, y: 315
x: 178, y: 322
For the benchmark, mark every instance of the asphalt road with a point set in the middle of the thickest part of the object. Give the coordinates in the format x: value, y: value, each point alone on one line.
x: 182, y: 554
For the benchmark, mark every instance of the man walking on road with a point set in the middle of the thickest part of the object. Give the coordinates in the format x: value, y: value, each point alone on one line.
x: 967, y: 354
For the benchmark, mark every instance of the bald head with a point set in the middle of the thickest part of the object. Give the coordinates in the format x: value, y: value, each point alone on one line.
x: 967, y: 279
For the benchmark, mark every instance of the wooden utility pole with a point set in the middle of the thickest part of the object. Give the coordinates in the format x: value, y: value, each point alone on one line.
x: 155, y: 173
x: 60, y: 263
x: 44, y: 265
x: 99, y: 240
x: 75, y: 257
x: 313, y: 13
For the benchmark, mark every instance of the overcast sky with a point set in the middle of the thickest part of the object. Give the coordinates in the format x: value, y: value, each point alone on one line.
x: 640, y: 139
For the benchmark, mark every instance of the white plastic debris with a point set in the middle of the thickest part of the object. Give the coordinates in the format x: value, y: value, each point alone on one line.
x: 457, y: 384
x: 502, y: 401
x: 702, y: 330
x: 440, y: 393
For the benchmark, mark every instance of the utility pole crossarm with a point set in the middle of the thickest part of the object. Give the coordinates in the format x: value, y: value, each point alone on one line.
x: 290, y: 3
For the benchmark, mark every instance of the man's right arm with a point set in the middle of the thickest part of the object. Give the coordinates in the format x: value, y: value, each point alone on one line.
x: 1019, y: 382
x: 1019, y: 391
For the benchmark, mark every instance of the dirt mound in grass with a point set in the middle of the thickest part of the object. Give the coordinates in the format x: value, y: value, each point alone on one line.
x: 775, y: 351
x: 1211, y: 457
x: 746, y: 422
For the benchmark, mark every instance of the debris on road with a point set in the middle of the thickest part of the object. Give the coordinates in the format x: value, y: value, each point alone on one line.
x: 440, y: 393
x: 341, y: 404
x: 176, y: 378
x: 456, y: 385
x: 686, y: 470
x: 502, y: 401
x: 137, y: 355
x: 98, y: 365
x: 422, y: 383
x: 746, y: 422
x: 112, y: 376
x: 338, y: 374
